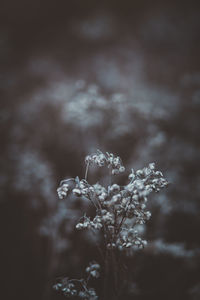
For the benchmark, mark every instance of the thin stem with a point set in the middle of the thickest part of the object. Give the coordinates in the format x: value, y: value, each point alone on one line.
x: 124, y: 216
x: 86, y: 171
x: 98, y: 247
x: 79, y: 281
x: 106, y: 275
x: 92, y: 202
x: 111, y: 176
x: 115, y: 271
x: 66, y: 180
x: 88, y: 278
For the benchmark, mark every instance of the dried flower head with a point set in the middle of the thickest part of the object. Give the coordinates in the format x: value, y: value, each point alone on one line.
x: 119, y: 210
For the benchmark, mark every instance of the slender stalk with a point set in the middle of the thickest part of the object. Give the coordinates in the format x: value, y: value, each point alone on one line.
x: 86, y: 171
x: 106, y: 275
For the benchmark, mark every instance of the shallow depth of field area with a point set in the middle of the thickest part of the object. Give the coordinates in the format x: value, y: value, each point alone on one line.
x: 122, y: 77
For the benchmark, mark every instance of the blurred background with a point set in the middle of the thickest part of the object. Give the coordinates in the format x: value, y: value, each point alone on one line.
x: 121, y: 76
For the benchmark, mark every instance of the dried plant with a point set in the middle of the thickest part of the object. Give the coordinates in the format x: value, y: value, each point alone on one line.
x: 118, y: 212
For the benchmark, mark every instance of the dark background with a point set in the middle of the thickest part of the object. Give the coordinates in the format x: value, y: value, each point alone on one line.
x: 122, y: 76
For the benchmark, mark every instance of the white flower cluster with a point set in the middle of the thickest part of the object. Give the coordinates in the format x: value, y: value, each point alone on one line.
x: 93, y: 269
x: 117, y: 204
x: 88, y: 294
x: 100, y: 191
x: 87, y: 223
x: 119, y: 209
x: 100, y: 159
x: 129, y: 238
x: 82, y: 188
x: 66, y: 287
x: 79, y: 287
x: 62, y: 190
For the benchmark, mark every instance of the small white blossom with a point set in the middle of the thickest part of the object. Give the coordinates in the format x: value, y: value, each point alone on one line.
x: 93, y: 269
x: 77, y: 192
x: 66, y: 287
x: 62, y: 190
x: 100, y: 159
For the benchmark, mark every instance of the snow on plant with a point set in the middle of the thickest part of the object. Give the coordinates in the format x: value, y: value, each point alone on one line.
x: 119, y: 209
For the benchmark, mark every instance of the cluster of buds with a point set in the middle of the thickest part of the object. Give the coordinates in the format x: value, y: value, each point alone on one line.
x: 66, y: 287
x: 93, y: 269
x: 116, y: 204
x: 62, y: 190
x: 79, y: 287
x: 100, y: 192
x: 100, y: 159
x: 88, y: 224
x: 88, y: 294
x: 146, y: 180
x: 82, y: 188
x: 129, y: 239
x: 105, y: 217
